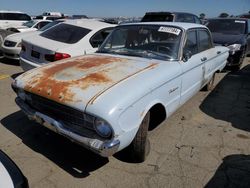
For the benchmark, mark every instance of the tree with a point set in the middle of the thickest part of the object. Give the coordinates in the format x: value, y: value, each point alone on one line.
x: 223, y: 15
x: 202, y: 16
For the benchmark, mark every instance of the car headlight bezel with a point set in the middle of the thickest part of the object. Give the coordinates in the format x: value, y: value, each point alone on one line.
x: 19, y: 45
x: 21, y: 94
x: 102, y: 128
x: 234, y: 47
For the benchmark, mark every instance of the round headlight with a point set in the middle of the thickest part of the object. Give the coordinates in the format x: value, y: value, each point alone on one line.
x: 102, y: 128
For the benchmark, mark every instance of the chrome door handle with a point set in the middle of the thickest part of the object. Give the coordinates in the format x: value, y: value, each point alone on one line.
x: 203, y: 59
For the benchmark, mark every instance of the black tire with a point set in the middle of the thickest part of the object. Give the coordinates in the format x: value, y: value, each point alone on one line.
x: 140, y: 145
x: 210, y: 85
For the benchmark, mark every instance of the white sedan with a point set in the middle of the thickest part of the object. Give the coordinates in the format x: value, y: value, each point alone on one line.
x: 69, y: 39
x: 32, y: 25
x: 108, y: 100
x: 11, y: 47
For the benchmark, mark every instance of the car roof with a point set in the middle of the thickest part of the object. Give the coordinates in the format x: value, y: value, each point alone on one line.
x: 230, y: 18
x: 182, y: 25
x: 10, y: 11
x: 91, y: 24
x: 167, y: 12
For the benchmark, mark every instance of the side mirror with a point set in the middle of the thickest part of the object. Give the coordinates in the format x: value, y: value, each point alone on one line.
x: 187, y: 54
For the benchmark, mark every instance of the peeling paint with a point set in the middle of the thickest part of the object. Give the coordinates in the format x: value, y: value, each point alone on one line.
x: 81, y: 79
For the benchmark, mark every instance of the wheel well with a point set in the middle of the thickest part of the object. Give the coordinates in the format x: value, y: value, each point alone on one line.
x: 157, y: 116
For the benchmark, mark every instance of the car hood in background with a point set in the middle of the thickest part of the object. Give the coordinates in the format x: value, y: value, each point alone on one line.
x: 225, y: 39
x: 79, y: 81
x: 17, y: 37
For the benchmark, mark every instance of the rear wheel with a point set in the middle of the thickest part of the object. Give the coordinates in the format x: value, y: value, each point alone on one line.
x: 140, y: 145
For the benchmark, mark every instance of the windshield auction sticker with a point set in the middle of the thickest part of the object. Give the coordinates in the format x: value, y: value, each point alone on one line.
x: 239, y: 21
x: 172, y: 30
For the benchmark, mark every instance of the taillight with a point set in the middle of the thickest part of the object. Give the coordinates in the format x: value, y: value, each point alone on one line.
x: 57, y: 56
x: 23, y: 48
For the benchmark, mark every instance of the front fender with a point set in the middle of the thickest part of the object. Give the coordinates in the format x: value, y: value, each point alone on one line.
x: 130, y: 120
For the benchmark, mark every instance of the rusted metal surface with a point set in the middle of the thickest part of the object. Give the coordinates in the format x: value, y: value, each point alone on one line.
x: 81, y: 79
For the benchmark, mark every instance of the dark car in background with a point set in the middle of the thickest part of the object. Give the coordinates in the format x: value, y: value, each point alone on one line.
x: 233, y: 33
x: 170, y: 17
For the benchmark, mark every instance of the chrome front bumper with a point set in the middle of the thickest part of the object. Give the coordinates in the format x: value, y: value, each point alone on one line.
x: 103, y: 148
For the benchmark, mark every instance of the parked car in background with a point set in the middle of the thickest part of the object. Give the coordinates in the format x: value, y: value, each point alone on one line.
x: 10, y: 175
x: 170, y: 17
x: 11, y: 47
x: 3, y: 33
x: 42, y: 17
x: 233, y: 33
x: 69, y: 39
x: 31, y: 25
x: 79, y: 16
x: 156, y: 67
x: 9, y: 19
x: 247, y: 15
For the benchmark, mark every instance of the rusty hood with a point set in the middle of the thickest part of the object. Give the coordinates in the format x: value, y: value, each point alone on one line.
x: 79, y: 81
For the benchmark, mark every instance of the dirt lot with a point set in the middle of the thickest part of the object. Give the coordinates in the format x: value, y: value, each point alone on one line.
x: 206, y: 143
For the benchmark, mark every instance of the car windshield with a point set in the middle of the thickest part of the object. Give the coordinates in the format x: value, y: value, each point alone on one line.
x: 30, y: 23
x: 149, y: 41
x: 227, y: 26
x: 51, y: 24
x: 66, y: 33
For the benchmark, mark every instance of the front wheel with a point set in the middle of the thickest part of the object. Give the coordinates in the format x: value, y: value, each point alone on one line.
x: 140, y: 145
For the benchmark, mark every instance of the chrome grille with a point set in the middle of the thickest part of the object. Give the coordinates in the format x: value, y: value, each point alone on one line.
x: 71, y: 118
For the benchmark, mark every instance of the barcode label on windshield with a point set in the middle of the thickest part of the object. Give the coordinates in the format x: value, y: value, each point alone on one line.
x: 172, y: 30
x: 239, y: 21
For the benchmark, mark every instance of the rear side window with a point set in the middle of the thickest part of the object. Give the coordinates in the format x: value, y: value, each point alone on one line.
x: 204, y: 40
x: 65, y: 33
x: 15, y: 16
x: 41, y: 25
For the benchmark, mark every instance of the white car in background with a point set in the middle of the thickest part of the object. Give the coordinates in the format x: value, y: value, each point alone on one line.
x: 10, y: 175
x: 31, y: 25
x: 69, y: 39
x: 11, y: 47
x: 10, y: 19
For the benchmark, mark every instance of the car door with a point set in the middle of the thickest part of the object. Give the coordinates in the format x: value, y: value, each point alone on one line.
x: 192, y: 67
x: 209, y: 55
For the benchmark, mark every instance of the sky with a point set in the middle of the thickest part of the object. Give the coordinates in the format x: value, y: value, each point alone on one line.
x: 127, y: 8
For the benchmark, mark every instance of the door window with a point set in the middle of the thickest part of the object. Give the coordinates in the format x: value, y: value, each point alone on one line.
x: 204, y: 40
x: 191, y: 45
